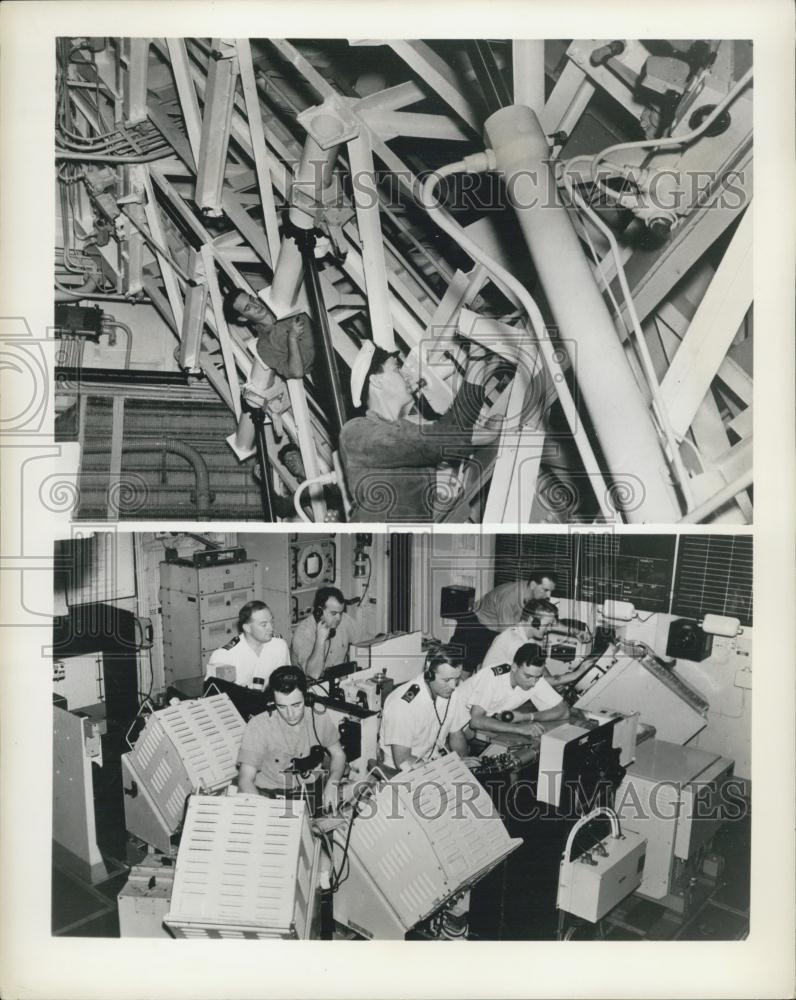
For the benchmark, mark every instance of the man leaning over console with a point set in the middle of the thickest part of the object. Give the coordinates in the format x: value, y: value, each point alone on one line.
x: 508, y: 688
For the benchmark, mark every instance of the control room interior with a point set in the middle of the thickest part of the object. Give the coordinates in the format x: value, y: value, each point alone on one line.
x: 666, y: 619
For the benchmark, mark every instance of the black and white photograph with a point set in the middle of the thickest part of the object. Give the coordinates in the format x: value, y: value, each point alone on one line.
x: 481, y: 280
x: 463, y: 281
x: 403, y: 737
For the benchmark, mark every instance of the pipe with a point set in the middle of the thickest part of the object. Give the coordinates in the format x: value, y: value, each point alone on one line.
x: 321, y: 317
x: 327, y: 478
x: 266, y: 497
x: 191, y: 455
x: 118, y: 376
x: 62, y: 295
x: 160, y: 154
x: 514, y: 289
x: 128, y: 333
x: 615, y: 403
x: 724, y: 495
x: 313, y: 175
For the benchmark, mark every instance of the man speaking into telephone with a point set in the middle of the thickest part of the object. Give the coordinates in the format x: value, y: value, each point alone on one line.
x: 322, y: 639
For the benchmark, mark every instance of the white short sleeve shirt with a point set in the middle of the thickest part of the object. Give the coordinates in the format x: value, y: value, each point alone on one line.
x: 412, y: 718
x: 505, y: 646
x: 252, y: 670
x: 491, y: 689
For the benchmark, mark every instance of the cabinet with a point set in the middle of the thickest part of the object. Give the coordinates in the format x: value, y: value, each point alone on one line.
x: 200, y: 605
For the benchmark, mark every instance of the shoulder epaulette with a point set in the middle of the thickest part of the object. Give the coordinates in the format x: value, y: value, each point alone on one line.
x: 411, y: 692
x: 232, y: 642
x: 502, y: 669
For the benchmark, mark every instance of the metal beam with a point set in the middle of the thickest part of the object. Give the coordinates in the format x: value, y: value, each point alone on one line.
x: 222, y: 331
x: 372, y: 241
x: 152, y: 213
x: 187, y: 93
x: 390, y: 99
x: 262, y: 158
x: 527, y: 58
x: 135, y: 55
x: 193, y: 318
x: 222, y: 75
x: 391, y: 124
x: 568, y: 101
x: 438, y: 75
x: 711, y: 331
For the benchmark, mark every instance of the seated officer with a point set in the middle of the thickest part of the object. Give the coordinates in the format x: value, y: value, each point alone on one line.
x: 425, y: 715
x: 322, y: 638
x: 289, y: 730
x: 536, y: 620
x: 505, y: 688
x: 254, y: 653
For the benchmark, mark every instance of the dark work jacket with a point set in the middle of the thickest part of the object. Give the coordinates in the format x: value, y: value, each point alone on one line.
x: 391, y: 465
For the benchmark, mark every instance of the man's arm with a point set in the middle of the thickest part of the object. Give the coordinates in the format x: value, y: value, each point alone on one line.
x: 309, y: 651
x: 219, y: 666
x: 458, y: 743
x: 401, y: 755
x: 246, y: 777
x: 559, y: 711
x: 571, y: 675
x: 480, y: 722
x: 336, y: 771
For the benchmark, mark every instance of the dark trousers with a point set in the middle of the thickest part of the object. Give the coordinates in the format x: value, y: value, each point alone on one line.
x: 472, y: 640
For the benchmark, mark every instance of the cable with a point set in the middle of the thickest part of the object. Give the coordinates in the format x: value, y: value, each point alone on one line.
x: 160, y: 154
x: 516, y: 290
x: 659, y: 405
x: 679, y: 140
x: 115, y: 323
x: 324, y: 479
x: 354, y: 815
x: 367, y: 582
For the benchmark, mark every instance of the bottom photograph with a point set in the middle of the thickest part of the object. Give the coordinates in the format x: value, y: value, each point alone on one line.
x: 402, y: 736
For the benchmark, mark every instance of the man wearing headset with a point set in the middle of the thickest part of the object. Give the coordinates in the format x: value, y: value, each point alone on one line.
x: 425, y: 715
x: 254, y: 653
x: 391, y: 461
x: 500, y: 608
x: 536, y: 620
x: 322, y: 638
x: 507, y: 688
x: 287, y: 731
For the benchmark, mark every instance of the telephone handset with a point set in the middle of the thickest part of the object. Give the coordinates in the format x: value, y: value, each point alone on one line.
x: 317, y: 614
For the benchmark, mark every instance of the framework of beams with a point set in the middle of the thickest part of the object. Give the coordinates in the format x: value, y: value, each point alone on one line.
x: 188, y: 166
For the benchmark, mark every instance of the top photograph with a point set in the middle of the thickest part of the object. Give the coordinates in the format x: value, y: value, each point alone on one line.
x: 485, y: 281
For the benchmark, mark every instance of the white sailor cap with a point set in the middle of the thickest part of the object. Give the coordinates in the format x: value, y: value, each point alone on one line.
x: 360, y: 370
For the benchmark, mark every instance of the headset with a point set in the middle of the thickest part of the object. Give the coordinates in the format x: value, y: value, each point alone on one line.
x: 317, y: 614
x: 322, y: 595
x: 301, y: 684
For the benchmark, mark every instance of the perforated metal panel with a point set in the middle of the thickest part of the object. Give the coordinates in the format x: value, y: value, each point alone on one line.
x: 246, y: 867
x: 187, y: 747
x: 207, y: 734
x: 425, y: 835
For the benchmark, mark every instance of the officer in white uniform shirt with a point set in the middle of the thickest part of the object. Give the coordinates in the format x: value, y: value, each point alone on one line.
x: 425, y: 715
x: 251, y: 657
x: 538, y: 617
x: 506, y: 687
